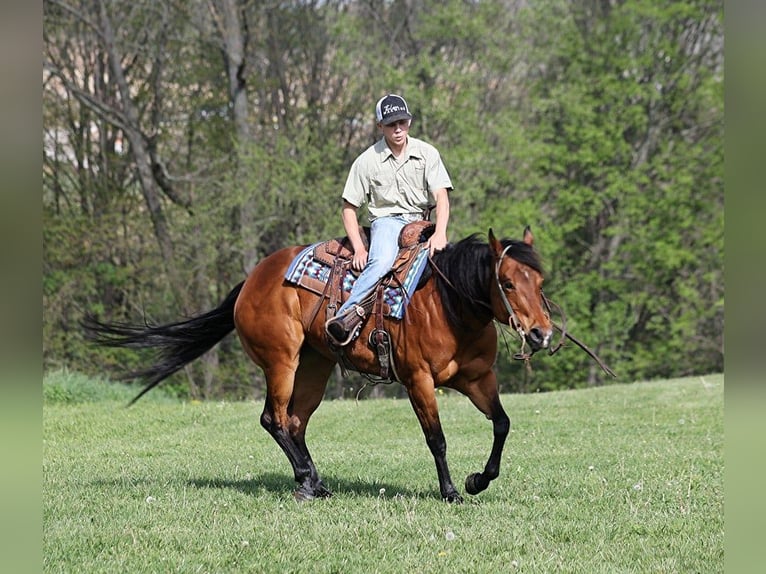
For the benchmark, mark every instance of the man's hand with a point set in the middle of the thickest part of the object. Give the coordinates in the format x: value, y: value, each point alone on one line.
x: 359, y: 260
x: 437, y: 242
x: 354, y: 234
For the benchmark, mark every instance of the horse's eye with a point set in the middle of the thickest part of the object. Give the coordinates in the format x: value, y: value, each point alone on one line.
x: 508, y: 286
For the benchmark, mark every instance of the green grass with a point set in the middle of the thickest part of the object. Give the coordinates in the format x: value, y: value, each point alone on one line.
x: 65, y: 387
x: 624, y: 478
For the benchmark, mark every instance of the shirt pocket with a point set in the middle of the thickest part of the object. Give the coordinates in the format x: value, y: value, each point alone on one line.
x: 417, y: 186
x: 383, y: 190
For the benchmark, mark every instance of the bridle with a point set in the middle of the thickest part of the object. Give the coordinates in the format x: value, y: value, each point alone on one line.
x: 524, y: 353
x: 513, y: 321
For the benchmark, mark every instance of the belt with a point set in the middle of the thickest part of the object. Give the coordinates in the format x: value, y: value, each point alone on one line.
x: 410, y: 217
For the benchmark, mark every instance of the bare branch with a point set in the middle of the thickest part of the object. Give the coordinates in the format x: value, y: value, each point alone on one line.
x: 106, y: 112
x: 79, y: 15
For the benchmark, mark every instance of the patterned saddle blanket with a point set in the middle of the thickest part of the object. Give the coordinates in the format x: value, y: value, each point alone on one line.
x: 313, y: 266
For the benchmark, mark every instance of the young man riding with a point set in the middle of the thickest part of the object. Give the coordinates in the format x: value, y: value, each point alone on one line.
x: 398, y: 177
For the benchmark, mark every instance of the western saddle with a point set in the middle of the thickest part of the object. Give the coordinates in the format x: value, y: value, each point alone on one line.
x: 337, y: 254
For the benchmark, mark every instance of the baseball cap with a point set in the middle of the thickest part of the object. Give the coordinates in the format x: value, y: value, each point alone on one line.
x: 391, y: 108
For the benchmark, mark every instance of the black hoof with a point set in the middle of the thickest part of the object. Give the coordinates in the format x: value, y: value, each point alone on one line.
x: 303, y: 495
x: 454, y: 498
x: 322, y: 491
x: 475, y: 483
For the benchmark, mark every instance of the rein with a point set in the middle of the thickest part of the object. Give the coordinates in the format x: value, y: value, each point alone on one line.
x: 565, y: 335
x: 441, y: 274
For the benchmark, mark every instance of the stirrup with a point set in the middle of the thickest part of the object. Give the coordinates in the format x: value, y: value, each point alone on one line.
x: 341, y: 330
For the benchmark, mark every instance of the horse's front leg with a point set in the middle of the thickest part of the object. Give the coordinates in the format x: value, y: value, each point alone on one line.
x: 423, y: 400
x: 484, y: 395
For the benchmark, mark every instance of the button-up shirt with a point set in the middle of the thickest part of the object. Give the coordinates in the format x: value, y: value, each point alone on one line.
x: 392, y: 187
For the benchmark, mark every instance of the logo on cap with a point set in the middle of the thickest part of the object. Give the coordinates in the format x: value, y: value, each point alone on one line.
x: 391, y: 108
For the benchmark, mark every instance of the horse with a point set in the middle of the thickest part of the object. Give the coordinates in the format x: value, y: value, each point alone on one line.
x: 447, y: 338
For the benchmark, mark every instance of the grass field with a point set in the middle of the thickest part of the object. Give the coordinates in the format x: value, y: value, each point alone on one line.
x: 625, y: 478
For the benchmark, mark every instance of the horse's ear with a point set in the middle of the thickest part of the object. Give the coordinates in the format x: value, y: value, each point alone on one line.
x: 494, y: 243
x: 528, y: 237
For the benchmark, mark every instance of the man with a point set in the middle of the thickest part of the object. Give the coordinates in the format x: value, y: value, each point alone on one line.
x: 397, y: 177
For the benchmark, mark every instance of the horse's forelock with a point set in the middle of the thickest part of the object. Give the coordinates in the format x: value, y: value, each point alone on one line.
x: 523, y: 253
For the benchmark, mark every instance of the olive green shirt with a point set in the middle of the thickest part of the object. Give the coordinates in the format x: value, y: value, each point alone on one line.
x: 391, y: 187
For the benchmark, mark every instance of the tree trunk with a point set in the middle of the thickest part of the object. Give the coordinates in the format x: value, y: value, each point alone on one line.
x: 234, y: 41
x: 149, y: 187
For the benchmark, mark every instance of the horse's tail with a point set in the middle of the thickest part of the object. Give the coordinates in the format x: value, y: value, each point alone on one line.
x: 177, y: 344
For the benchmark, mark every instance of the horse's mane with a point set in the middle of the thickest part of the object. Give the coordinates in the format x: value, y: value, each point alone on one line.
x: 469, y: 268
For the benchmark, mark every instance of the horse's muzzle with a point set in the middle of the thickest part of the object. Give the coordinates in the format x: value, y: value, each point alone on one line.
x: 539, y: 338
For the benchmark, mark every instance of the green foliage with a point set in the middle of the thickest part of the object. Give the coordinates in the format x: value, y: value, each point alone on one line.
x: 629, y: 161
x: 626, y: 478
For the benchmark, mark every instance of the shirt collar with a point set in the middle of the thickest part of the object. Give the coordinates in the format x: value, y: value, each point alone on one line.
x: 384, y: 152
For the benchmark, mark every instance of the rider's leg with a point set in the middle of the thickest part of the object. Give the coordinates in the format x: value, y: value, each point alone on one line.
x: 384, y: 247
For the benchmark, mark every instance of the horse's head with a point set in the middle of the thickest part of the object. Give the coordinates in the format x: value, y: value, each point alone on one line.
x: 517, y: 294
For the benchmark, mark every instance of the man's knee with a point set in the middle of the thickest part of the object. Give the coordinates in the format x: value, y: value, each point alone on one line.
x: 378, y: 267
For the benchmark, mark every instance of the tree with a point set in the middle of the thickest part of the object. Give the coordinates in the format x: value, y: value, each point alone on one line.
x: 627, y: 105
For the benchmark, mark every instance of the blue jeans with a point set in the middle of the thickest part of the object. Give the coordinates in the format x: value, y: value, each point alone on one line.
x: 384, y: 247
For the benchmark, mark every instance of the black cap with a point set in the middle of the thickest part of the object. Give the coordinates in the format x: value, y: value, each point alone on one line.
x: 391, y: 108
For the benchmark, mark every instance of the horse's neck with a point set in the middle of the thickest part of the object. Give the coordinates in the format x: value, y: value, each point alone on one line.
x: 461, y: 311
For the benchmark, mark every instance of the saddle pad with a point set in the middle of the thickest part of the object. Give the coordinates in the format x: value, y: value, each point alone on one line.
x: 312, y: 274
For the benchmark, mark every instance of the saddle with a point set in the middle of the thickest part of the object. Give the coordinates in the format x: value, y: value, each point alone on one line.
x: 330, y: 263
x: 411, y: 235
x: 336, y: 255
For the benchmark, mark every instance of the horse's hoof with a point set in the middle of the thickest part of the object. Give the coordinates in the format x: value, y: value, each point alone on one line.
x: 303, y: 495
x: 454, y: 498
x: 475, y: 483
x: 322, y: 491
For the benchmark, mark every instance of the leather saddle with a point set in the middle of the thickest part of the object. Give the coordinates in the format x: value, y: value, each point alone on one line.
x: 336, y: 254
x: 411, y: 235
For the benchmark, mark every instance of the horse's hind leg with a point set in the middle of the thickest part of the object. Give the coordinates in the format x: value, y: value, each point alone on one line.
x: 310, y: 383
x: 293, y: 394
x: 268, y: 317
x: 277, y: 422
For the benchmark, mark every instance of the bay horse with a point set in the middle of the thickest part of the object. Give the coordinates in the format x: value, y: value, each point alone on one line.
x: 447, y: 338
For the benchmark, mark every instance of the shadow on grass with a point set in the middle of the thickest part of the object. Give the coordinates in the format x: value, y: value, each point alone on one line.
x: 282, y: 484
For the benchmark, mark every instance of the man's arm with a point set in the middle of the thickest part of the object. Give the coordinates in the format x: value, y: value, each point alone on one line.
x: 438, y: 240
x: 354, y: 232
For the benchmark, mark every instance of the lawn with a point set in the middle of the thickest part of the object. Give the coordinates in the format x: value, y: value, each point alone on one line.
x: 624, y: 478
